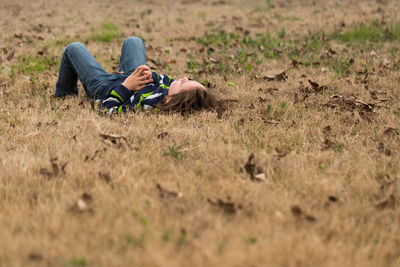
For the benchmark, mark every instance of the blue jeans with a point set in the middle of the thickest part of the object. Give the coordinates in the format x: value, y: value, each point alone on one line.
x: 77, y: 62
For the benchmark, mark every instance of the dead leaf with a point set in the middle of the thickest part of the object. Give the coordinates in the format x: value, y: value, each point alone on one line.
x: 274, y: 122
x: 279, y: 77
x: 328, y: 144
x: 389, y: 203
x: 66, y: 107
x: 56, y: 170
x: 391, y: 130
x: 162, y: 135
x: 11, y: 148
x: 386, y: 185
x: 45, y: 172
x: 51, y: 123
x: 316, y: 87
x: 209, y: 84
x: 298, y: 213
x: 218, y: 2
x: 95, y: 105
x: 82, y: 204
x: 34, y: 256
x: 331, y: 51
x: 269, y: 90
x: 296, y: 63
x: 155, y: 62
x: 125, y: 123
x: 228, y: 207
x: 327, y: 129
x: 385, y: 62
x: 3, y: 86
x: 262, y: 100
x: 171, y: 61
x: 382, y: 148
x: 39, y: 28
x: 256, y: 172
x: 260, y: 177
x: 333, y: 199
x: 296, y: 98
x: 86, y: 197
x: 87, y: 158
x: 165, y: 193
x: 310, y: 218
x: 304, y: 91
x: 357, y: 116
x: 197, y: 125
x: 145, y: 13
x: 201, y: 49
x: 280, y: 155
x: 115, y: 139
x: 349, y: 102
x: 10, y: 56
x: 105, y: 176
x: 213, y: 60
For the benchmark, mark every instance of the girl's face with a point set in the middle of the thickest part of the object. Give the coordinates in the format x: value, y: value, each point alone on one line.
x: 183, y: 84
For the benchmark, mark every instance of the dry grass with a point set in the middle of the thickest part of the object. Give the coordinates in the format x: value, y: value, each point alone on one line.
x: 69, y: 197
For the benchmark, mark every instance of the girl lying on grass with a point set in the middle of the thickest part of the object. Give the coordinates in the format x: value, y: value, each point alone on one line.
x: 134, y: 87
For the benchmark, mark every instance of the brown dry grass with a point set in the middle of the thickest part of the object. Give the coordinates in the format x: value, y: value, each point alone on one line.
x: 330, y: 196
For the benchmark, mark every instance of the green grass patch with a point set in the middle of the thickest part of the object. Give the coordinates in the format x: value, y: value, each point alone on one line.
x: 313, y: 42
x: 362, y: 33
x: 182, y: 238
x: 107, y: 33
x: 340, y: 66
x: 253, y: 240
x: 374, y: 32
x: 286, y: 18
x: 31, y: 64
x: 338, y: 147
x: 166, y: 236
x: 192, y: 65
x: 65, y: 42
x: 202, y: 15
x: 245, y: 52
x: 74, y: 262
x: 175, y: 151
x: 220, y: 38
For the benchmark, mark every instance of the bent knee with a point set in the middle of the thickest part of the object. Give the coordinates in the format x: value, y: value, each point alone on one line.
x: 74, y: 45
x: 134, y: 39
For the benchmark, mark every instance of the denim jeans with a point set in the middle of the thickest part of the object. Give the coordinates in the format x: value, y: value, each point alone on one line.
x: 77, y: 62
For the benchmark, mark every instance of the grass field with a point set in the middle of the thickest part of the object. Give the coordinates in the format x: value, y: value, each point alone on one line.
x: 301, y: 171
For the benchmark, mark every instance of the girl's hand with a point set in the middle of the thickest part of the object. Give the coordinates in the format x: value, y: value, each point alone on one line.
x: 138, y: 79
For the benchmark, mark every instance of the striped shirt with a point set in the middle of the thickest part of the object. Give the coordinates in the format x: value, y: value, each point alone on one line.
x: 119, y: 99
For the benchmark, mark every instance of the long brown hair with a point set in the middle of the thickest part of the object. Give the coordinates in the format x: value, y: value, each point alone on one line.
x: 188, y: 102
